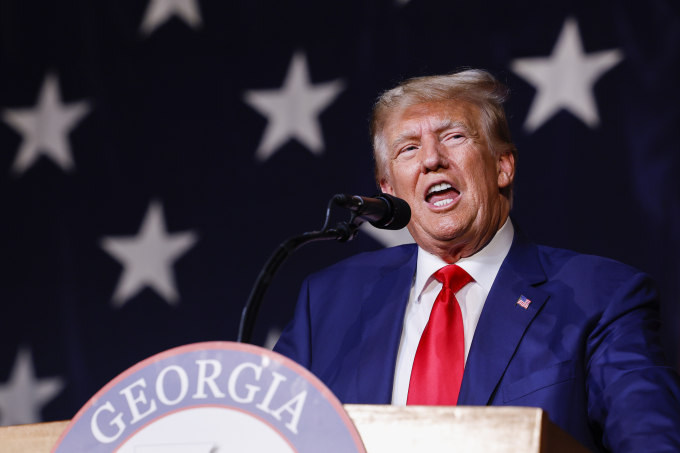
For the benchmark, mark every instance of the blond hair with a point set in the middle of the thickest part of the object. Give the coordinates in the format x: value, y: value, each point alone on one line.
x: 473, y: 86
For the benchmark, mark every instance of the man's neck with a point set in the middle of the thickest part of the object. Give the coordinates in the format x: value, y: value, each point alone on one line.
x: 452, y: 254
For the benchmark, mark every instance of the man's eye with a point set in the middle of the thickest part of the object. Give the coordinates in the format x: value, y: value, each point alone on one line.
x: 407, y: 149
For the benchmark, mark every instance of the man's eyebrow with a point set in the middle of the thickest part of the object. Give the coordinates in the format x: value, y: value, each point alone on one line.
x: 438, y: 126
x: 405, y: 136
x: 450, y: 124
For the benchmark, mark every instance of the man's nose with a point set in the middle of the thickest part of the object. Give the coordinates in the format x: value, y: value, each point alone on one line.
x: 433, y: 155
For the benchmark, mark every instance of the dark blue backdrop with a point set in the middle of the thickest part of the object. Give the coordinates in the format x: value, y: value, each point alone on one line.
x: 136, y: 212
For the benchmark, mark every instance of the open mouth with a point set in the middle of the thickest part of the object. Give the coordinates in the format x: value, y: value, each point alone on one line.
x: 442, y: 194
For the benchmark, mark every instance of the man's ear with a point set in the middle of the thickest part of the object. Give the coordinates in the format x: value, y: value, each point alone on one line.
x: 386, y: 187
x: 506, y: 169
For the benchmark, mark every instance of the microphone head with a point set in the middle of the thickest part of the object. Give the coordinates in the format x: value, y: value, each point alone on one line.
x: 398, y: 216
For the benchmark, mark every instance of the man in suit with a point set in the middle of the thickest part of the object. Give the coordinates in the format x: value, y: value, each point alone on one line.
x: 475, y: 313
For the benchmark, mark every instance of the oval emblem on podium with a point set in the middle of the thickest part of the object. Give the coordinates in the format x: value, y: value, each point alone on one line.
x: 215, y: 397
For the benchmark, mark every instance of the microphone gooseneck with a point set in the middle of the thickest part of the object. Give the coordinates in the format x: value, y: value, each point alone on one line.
x: 382, y: 211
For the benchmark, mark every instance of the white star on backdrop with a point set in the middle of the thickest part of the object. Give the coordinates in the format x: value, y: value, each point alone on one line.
x: 23, y: 396
x: 293, y: 110
x: 45, y: 127
x: 565, y: 79
x: 160, y: 11
x: 273, y: 336
x: 148, y: 257
x: 388, y: 238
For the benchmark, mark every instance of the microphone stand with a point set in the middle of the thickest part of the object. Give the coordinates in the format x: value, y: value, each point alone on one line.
x: 343, y: 232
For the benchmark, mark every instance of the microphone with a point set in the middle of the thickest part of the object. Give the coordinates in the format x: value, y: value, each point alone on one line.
x: 383, y: 211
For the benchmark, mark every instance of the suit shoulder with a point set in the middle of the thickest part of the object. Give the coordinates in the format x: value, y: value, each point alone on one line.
x: 601, y: 289
x: 570, y: 265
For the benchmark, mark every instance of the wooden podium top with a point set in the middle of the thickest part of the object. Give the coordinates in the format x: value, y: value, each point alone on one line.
x: 37, y: 438
x: 395, y: 429
x: 469, y: 429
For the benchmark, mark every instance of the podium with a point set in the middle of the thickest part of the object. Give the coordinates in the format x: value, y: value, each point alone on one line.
x: 393, y: 429
x: 469, y: 429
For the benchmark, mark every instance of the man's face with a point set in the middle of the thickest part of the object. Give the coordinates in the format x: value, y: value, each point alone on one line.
x: 439, y: 162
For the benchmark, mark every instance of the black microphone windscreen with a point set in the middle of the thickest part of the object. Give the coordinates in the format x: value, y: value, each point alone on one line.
x: 400, y: 214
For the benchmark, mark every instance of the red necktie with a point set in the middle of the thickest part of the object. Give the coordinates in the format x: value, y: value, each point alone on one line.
x: 440, y: 358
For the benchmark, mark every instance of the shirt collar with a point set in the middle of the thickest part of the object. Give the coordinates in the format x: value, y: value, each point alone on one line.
x: 483, y: 266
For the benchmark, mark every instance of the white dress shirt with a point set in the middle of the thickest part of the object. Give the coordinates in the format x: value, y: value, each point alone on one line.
x: 483, y: 267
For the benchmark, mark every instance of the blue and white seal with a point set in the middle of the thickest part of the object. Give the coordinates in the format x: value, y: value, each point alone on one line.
x: 212, y: 398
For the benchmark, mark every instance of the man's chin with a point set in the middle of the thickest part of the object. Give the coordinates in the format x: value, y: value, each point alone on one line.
x: 438, y: 235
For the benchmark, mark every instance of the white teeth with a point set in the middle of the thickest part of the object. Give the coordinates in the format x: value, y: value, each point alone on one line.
x: 438, y: 187
x: 443, y: 202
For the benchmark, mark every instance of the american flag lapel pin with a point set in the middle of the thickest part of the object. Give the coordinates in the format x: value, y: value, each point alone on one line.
x: 523, y: 302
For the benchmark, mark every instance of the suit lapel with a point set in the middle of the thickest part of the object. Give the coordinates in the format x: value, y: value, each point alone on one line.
x: 382, y: 319
x: 503, y: 323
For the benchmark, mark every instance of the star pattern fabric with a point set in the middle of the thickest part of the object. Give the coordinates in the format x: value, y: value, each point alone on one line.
x: 148, y: 257
x: 160, y: 11
x: 273, y: 336
x: 238, y: 111
x: 293, y: 110
x: 45, y: 128
x: 23, y: 395
x: 565, y: 79
x: 388, y: 238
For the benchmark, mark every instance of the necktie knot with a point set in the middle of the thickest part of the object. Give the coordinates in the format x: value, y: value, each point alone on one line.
x: 453, y: 277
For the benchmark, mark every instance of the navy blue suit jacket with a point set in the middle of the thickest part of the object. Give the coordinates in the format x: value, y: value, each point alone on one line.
x: 586, y: 349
